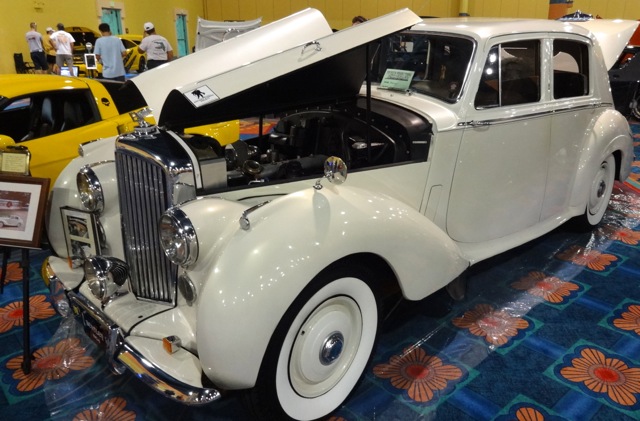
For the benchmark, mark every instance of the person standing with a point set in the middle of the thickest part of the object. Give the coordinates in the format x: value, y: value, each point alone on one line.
x: 50, y: 52
x: 110, y: 51
x: 157, y: 47
x: 62, y: 41
x: 34, y: 39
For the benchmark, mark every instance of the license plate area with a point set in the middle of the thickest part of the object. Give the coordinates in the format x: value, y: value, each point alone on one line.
x: 101, y: 331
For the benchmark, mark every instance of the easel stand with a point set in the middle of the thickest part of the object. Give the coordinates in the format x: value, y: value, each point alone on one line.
x: 24, y: 199
x: 26, y: 335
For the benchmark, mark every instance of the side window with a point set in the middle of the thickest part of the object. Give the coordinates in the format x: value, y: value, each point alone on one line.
x: 47, y: 114
x: 570, y: 69
x: 511, y: 75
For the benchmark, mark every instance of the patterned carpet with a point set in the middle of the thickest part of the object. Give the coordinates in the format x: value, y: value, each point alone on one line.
x: 549, y: 331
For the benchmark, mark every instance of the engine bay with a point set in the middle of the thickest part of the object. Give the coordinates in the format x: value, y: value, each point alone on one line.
x: 301, y: 140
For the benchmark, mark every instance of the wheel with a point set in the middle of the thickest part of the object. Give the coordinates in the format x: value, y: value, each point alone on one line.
x: 635, y: 105
x: 599, y: 195
x: 320, y: 348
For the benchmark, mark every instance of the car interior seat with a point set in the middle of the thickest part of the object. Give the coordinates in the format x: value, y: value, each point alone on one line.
x: 47, y: 118
x: 72, y: 116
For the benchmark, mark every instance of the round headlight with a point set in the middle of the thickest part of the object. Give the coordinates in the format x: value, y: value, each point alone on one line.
x: 90, y: 190
x: 178, y: 237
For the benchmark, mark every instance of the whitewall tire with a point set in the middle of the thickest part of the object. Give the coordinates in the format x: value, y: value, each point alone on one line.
x: 321, y: 348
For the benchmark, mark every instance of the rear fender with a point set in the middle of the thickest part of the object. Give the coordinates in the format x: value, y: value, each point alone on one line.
x: 609, y: 125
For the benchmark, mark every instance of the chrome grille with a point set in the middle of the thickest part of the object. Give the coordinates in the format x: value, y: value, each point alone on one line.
x: 142, y: 186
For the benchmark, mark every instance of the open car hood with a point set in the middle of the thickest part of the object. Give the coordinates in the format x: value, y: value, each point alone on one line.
x: 612, y: 35
x: 236, y: 78
x: 265, y: 41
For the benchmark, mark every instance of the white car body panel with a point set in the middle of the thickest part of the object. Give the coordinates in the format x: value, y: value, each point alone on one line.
x: 479, y: 181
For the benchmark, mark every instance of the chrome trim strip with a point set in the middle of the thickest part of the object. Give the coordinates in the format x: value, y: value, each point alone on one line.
x: 480, y: 123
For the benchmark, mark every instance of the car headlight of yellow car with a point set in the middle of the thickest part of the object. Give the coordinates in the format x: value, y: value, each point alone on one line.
x: 178, y: 237
x: 90, y: 190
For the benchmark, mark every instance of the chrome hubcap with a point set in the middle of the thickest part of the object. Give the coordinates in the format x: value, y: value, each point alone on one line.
x: 601, y: 188
x: 332, y: 348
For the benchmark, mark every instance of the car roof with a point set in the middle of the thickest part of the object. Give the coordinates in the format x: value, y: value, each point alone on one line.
x: 612, y: 34
x: 485, y: 28
x: 15, y: 85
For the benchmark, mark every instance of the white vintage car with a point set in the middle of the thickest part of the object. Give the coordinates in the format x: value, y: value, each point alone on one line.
x: 11, y: 221
x: 391, y: 156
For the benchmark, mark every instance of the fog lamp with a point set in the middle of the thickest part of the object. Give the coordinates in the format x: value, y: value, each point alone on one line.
x: 105, y: 275
x: 178, y: 237
x: 90, y: 190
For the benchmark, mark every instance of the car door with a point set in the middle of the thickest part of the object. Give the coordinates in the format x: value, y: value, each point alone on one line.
x: 572, y: 103
x: 57, y: 122
x: 500, y: 176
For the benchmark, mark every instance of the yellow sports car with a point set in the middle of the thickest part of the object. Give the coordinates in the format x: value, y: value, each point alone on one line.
x: 83, y: 36
x: 52, y: 115
x: 134, y: 60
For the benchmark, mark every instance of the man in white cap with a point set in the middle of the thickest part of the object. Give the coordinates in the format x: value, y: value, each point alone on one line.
x: 157, y: 47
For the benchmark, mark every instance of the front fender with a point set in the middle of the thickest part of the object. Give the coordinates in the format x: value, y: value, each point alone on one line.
x: 250, y: 277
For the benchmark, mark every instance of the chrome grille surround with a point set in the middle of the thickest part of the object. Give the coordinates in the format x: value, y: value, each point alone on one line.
x: 147, y: 186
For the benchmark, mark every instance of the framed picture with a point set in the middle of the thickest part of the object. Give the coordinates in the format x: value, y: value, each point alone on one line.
x: 81, y: 234
x: 22, y: 204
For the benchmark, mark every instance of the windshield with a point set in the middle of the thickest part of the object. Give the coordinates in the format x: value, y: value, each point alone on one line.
x: 437, y: 64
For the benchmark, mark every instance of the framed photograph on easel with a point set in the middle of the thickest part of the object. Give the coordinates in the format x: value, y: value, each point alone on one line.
x: 22, y: 205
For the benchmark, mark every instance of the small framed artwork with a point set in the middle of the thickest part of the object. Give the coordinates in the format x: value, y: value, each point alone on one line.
x: 81, y: 234
x: 22, y: 204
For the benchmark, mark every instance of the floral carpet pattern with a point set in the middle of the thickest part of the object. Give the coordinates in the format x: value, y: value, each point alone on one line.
x: 549, y: 331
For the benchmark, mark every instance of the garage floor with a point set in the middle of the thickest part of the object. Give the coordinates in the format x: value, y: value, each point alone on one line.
x: 548, y: 331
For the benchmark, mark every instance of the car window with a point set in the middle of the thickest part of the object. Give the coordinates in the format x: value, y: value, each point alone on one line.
x: 126, y: 96
x: 570, y: 69
x: 48, y: 113
x: 439, y: 63
x: 128, y: 44
x: 511, y: 75
x: 14, y: 118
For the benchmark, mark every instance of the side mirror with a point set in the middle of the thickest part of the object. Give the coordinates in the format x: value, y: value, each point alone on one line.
x: 335, y: 170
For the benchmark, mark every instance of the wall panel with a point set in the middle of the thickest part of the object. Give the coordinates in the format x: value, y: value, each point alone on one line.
x: 264, y: 10
x: 14, y: 22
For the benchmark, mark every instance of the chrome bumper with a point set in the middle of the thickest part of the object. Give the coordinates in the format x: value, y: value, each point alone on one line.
x: 121, y: 355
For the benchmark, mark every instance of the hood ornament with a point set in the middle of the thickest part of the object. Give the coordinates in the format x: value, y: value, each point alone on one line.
x: 144, y: 128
